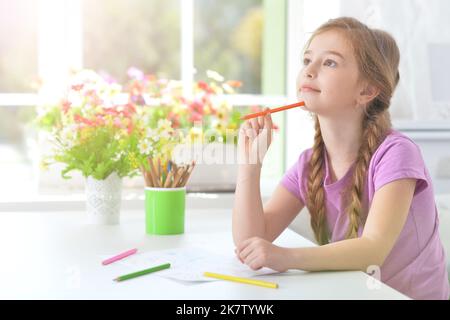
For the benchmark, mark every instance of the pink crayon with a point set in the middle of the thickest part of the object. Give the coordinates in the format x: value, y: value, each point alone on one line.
x: 119, y: 256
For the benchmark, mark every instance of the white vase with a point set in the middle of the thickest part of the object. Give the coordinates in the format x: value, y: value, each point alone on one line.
x: 103, y: 200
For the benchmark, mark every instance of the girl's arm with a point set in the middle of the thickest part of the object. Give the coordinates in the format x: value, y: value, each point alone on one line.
x: 387, y: 216
x: 251, y: 219
x: 248, y: 213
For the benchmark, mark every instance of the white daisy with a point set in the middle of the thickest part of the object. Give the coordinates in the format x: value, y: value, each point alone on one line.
x: 145, y: 147
x: 214, y: 75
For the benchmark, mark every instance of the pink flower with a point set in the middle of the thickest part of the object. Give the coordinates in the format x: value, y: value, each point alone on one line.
x: 83, y: 120
x: 100, y: 121
x: 195, y: 117
x: 111, y: 111
x: 196, y: 106
x: 130, y: 108
x: 66, y: 106
x: 130, y: 127
x: 205, y: 87
x: 117, y: 122
x: 77, y: 87
x: 174, y: 118
x: 135, y: 73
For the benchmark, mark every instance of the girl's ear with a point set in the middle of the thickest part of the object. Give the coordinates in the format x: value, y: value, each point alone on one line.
x: 368, y: 93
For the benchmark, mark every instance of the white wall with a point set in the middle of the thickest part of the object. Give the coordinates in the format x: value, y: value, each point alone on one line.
x: 422, y: 31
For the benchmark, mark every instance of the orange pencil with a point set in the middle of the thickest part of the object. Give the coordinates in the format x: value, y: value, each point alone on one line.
x: 188, y: 173
x: 178, y: 176
x: 263, y: 113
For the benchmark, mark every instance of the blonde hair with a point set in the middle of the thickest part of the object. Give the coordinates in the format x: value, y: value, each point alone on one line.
x: 378, y: 58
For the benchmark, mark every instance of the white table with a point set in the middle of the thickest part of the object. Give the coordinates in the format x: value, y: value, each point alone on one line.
x: 55, y: 255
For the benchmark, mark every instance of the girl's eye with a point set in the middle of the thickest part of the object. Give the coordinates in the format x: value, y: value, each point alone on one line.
x: 306, y: 61
x: 330, y: 63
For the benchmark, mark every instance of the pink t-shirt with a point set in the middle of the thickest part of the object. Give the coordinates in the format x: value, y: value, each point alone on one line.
x: 416, y: 266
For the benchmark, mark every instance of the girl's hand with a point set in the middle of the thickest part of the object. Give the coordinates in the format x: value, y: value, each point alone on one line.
x: 255, y: 137
x: 257, y: 253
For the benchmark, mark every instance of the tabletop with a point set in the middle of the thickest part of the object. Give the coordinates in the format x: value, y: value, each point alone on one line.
x: 56, y: 255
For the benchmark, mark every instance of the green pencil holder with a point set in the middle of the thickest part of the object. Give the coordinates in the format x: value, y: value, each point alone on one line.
x: 165, y: 210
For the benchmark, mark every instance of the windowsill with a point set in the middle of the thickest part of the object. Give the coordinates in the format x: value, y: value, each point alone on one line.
x: 132, y: 199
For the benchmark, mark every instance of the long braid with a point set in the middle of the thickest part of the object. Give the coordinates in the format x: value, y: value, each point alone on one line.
x: 376, y: 129
x: 316, y: 194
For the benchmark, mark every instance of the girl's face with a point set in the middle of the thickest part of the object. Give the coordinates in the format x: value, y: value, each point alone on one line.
x: 329, y: 80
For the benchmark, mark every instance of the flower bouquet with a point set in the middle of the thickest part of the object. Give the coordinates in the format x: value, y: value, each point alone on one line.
x: 92, y: 133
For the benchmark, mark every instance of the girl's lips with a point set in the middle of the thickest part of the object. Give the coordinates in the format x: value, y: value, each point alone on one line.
x: 308, y: 89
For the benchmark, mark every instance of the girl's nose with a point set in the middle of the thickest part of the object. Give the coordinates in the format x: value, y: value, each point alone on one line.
x: 309, y: 72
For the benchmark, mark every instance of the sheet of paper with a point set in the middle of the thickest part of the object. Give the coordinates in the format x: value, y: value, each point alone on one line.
x: 189, y: 264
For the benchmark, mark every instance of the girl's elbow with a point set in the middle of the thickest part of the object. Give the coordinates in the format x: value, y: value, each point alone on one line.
x: 377, y: 255
x: 372, y: 263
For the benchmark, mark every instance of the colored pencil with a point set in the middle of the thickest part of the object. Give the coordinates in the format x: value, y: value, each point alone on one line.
x: 119, y: 256
x: 187, y: 174
x: 143, y: 272
x: 263, y: 113
x: 174, y: 176
x: 164, y: 173
x: 146, y: 177
x: 168, y: 179
x: 261, y: 283
x: 178, y: 176
x: 153, y: 172
x: 159, y: 174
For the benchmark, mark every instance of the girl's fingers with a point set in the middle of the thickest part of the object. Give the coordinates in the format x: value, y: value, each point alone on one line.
x: 250, y: 257
x: 264, y: 118
x: 268, y: 121
x: 254, y: 264
x: 251, y: 133
x: 245, y: 252
x: 254, y: 261
x: 247, y: 129
x: 242, y: 130
x: 261, y: 121
x: 244, y: 138
x: 237, y: 255
x: 241, y: 246
x: 255, y: 124
x: 242, y: 135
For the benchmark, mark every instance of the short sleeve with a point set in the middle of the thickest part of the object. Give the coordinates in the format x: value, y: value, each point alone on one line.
x: 401, y: 159
x: 291, y: 179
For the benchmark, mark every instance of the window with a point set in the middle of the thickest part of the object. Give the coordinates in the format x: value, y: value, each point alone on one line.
x: 228, y: 39
x: 18, y: 69
x: 18, y: 49
x: 119, y: 34
x: 168, y: 38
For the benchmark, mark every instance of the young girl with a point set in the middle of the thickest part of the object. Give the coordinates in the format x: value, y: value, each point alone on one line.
x: 366, y: 185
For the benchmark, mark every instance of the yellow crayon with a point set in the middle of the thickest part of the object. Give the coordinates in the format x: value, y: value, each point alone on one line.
x: 242, y: 280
